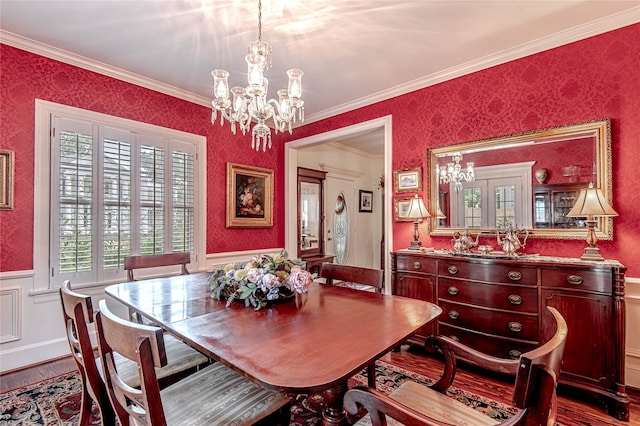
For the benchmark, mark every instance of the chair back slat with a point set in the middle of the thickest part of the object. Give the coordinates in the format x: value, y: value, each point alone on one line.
x: 353, y: 274
x: 143, y: 345
x: 538, y: 372
x: 77, y: 310
x: 157, y: 260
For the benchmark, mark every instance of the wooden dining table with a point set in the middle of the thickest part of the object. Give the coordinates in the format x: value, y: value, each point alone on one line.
x: 314, y: 342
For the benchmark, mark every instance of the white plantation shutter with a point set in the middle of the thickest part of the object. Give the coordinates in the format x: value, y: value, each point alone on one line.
x: 73, y: 221
x: 116, y: 203
x: 182, y: 194
x: 152, y: 200
x: 117, y: 192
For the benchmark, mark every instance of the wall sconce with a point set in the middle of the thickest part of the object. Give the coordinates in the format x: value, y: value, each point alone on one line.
x: 591, y: 202
x: 417, y: 212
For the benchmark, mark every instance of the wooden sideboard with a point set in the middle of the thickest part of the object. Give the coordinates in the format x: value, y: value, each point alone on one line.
x: 498, y: 306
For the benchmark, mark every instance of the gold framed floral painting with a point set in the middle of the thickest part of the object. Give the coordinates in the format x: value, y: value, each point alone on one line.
x: 249, y: 196
x: 408, y: 180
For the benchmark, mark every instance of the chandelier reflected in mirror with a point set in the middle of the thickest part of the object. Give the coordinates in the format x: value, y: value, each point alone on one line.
x: 454, y: 174
x: 250, y: 103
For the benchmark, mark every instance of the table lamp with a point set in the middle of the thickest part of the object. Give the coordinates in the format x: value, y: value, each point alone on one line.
x: 591, y: 202
x: 417, y: 212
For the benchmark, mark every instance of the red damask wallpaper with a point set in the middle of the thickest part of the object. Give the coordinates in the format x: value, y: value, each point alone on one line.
x: 25, y: 76
x: 595, y: 78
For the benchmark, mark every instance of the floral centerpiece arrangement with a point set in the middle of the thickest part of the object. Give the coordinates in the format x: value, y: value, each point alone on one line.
x: 260, y: 280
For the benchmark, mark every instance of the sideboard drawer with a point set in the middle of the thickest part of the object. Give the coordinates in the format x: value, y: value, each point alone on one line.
x: 409, y: 263
x: 514, y: 325
x: 508, y: 274
x: 577, y: 279
x: 491, y: 345
x: 497, y: 296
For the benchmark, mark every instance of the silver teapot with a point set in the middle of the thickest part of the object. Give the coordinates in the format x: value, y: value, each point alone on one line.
x: 511, y: 242
x: 463, y: 243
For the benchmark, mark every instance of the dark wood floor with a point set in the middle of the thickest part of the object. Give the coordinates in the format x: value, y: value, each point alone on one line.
x: 571, y: 411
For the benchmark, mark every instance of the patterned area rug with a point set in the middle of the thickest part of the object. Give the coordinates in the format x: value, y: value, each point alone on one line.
x: 57, y: 401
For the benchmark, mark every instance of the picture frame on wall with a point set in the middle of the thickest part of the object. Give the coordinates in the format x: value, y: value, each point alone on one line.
x: 401, y: 209
x: 407, y: 180
x: 7, y: 164
x: 249, y: 196
x: 366, y: 201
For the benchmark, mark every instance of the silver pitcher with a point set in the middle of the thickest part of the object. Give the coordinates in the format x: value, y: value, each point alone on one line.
x: 463, y: 243
x: 511, y: 242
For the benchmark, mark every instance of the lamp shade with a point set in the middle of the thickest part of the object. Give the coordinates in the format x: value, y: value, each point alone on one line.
x: 591, y: 202
x: 417, y: 209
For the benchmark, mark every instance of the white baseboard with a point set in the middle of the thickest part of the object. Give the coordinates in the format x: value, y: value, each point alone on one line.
x: 34, y: 354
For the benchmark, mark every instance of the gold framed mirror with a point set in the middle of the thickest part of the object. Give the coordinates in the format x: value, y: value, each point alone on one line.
x: 527, y: 180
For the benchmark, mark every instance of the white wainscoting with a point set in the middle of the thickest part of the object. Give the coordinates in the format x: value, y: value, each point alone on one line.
x: 632, y: 305
x: 32, y: 328
x: 32, y: 325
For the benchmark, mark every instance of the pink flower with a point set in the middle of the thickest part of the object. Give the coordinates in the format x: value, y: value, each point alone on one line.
x: 254, y: 275
x: 270, y: 280
x: 299, y: 279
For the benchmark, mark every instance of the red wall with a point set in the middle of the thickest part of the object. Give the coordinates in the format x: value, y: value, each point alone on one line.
x: 25, y: 77
x: 594, y: 78
x: 591, y: 79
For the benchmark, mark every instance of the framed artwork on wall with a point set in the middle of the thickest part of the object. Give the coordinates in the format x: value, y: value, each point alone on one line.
x: 408, y: 180
x: 366, y: 201
x: 401, y: 209
x: 7, y: 162
x: 249, y: 196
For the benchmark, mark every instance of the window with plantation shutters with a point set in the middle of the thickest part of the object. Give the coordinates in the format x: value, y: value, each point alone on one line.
x: 117, y: 192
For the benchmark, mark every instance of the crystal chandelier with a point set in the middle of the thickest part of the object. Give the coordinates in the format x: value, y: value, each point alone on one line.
x: 453, y: 172
x: 250, y: 102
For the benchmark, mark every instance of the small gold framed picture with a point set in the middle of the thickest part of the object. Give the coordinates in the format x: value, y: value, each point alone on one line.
x: 408, y: 180
x: 7, y: 163
x: 401, y: 209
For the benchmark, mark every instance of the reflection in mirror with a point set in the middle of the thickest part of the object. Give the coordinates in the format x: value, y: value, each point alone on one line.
x: 528, y: 180
x: 309, y: 215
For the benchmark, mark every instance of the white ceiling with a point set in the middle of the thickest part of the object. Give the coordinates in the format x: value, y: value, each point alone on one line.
x: 353, y: 52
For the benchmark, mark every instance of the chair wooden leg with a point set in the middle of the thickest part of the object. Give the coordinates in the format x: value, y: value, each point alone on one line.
x: 371, y: 375
x: 85, y: 406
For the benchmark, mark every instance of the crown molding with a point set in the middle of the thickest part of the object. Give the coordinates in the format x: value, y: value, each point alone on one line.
x: 51, y: 52
x: 609, y: 23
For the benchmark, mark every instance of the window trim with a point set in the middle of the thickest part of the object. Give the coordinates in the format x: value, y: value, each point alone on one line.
x: 42, y: 184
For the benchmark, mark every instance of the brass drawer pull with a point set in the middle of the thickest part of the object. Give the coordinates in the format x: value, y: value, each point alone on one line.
x: 454, y: 315
x: 515, y: 299
x: 515, y: 326
x: 417, y: 265
x: 574, y: 279
x: 515, y: 275
x: 452, y: 270
x: 514, y: 354
x: 452, y: 290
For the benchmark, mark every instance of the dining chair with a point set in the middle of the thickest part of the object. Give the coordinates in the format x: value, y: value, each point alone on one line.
x: 358, y: 278
x: 353, y: 276
x: 534, y: 393
x: 78, y: 313
x: 215, y: 395
x: 134, y: 262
